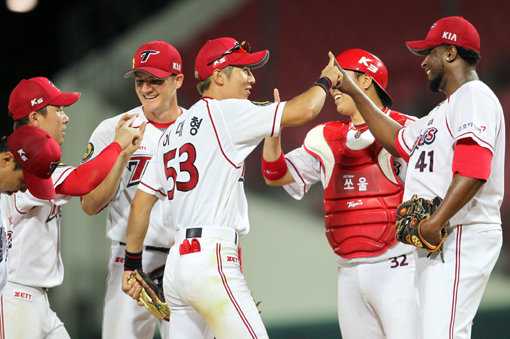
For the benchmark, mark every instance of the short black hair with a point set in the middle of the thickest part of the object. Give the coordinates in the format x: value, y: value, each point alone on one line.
x: 470, y: 56
x: 26, y: 119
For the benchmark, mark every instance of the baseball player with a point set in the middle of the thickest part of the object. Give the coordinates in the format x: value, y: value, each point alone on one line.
x: 157, y: 71
x: 199, y: 167
x: 456, y: 153
x: 362, y: 190
x: 35, y: 263
x: 27, y: 158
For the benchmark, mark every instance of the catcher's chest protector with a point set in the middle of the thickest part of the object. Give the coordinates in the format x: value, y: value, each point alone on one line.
x: 360, y: 201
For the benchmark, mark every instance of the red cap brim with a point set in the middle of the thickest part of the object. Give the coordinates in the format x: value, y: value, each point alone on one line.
x: 40, y: 188
x: 421, y: 47
x: 66, y: 99
x: 254, y: 60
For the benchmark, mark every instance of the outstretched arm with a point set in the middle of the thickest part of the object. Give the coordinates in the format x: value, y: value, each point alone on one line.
x: 274, y: 167
x: 307, y: 105
x: 93, y: 202
x: 383, y: 128
x: 86, y: 177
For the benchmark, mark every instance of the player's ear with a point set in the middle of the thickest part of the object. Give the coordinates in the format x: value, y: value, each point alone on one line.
x: 365, y: 81
x: 451, y: 53
x: 218, y: 77
x: 34, y: 119
x: 5, y: 159
x: 178, y: 79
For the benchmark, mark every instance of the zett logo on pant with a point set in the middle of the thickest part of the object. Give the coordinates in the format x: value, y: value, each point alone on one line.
x: 22, y: 295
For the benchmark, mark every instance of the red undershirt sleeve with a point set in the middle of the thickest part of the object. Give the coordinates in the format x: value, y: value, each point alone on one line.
x: 471, y: 160
x: 89, y: 175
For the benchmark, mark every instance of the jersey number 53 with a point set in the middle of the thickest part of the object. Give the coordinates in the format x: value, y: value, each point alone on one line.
x: 177, y: 163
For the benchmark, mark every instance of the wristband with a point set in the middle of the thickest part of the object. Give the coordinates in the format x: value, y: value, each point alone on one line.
x: 132, y: 261
x: 274, y: 170
x: 324, y: 83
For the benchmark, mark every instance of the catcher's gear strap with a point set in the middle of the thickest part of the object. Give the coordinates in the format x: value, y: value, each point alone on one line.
x: 316, y: 145
x: 151, y: 296
x: 89, y: 175
x: 385, y: 160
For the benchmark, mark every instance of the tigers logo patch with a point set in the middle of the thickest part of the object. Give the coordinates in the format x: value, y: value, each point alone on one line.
x: 261, y: 103
x: 88, y: 153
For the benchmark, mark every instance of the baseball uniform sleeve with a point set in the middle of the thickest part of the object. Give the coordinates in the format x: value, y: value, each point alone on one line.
x: 151, y: 181
x: 306, y: 171
x: 26, y: 201
x: 248, y: 123
x: 102, y: 136
x: 406, y: 137
x: 474, y: 115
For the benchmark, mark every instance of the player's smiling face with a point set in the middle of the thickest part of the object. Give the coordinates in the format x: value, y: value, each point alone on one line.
x: 344, y: 103
x: 156, y: 94
x: 54, y: 122
x: 433, y: 64
x: 239, y: 84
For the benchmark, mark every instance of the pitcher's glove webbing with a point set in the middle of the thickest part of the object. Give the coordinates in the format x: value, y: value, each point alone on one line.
x: 151, y: 296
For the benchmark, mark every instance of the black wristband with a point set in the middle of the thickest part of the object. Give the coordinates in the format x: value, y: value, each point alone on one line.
x: 324, y: 83
x: 132, y: 261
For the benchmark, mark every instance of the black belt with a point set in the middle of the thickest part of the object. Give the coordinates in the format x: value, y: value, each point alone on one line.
x: 197, y: 233
x: 152, y: 248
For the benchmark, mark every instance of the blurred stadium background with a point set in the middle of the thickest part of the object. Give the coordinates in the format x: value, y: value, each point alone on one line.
x: 87, y: 45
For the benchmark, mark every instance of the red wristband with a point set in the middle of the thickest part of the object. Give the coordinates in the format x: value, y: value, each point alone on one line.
x: 274, y: 170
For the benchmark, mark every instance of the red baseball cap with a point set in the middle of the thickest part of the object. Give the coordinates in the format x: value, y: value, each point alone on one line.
x: 452, y: 30
x: 38, y: 154
x: 36, y: 93
x: 222, y: 52
x: 365, y: 62
x: 158, y: 58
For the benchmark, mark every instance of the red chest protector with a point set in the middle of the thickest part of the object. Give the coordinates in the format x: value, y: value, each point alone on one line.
x: 360, y: 201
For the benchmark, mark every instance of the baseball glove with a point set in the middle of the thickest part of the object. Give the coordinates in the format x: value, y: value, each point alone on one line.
x: 410, y: 215
x: 151, y: 296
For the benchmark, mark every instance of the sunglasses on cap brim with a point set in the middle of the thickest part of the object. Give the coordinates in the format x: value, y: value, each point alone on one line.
x: 244, y: 46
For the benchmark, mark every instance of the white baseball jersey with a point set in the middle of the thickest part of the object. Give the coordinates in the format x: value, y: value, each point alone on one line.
x: 34, y: 258
x: 200, y: 161
x: 473, y: 111
x: 3, y: 253
x: 159, y: 233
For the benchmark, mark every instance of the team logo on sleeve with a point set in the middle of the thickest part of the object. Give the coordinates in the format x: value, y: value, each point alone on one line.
x: 261, y: 103
x: 88, y: 153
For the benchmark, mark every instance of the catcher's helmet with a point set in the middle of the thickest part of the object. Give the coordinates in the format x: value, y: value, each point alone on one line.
x: 365, y: 62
